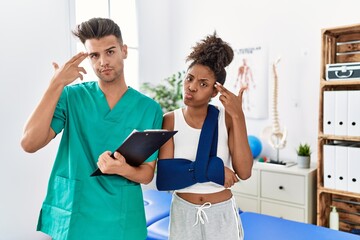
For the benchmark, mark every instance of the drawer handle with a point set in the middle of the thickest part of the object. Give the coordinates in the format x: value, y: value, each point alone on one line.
x: 281, y: 187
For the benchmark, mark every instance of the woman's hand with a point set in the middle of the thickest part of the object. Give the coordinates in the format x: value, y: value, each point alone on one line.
x: 230, y: 178
x: 231, y: 102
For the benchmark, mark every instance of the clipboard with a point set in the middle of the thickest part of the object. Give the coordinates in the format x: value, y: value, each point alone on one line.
x: 139, y: 146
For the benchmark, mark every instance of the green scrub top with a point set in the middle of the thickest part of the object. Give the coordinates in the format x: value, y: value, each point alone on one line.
x: 78, y: 206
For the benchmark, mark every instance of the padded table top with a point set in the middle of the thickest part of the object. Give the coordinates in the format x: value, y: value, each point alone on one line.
x: 259, y: 226
x: 157, y: 205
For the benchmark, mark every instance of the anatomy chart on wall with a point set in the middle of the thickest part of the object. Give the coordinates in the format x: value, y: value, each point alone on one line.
x: 250, y: 69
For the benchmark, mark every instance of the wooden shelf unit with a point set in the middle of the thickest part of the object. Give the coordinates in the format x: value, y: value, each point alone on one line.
x: 347, y: 203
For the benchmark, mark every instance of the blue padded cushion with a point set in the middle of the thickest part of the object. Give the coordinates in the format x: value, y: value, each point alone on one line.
x: 259, y: 226
x: 156, y: 204
x: 159, y: 230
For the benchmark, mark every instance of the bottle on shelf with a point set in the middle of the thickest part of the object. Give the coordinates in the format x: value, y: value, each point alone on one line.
x: 334, y: 219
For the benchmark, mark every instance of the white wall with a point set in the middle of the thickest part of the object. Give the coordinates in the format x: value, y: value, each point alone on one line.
x: 154, y: 45
x: 290, y: 29
x: 33, y: 34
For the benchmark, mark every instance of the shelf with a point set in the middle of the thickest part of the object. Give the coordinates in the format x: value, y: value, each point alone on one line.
x: 339, y: 138
x: 324, y: 83
x: 342, y: 30
x: 337, y: 192
x: 347, y: 204
x: 339, y: 45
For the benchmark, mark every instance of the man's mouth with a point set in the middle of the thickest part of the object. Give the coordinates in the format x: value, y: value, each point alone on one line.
x: 107, y: 70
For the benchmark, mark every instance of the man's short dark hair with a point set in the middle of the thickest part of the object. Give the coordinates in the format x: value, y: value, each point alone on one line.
x: 97, y: 28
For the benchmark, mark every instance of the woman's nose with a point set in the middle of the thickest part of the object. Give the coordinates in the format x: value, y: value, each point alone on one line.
x: 192, y: 87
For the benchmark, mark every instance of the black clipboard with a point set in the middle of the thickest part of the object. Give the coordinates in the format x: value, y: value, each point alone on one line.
x: 138, y: 146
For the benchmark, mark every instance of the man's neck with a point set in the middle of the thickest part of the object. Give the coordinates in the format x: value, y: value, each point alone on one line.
x: 113, y: 91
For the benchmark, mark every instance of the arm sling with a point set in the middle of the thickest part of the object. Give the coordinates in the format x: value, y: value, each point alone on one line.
x: 178, y: 173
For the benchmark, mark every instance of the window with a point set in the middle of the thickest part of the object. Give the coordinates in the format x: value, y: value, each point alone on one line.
x: 124, y: 14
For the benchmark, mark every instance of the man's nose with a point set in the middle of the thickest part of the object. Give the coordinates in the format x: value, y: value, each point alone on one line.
x: 104, y: 61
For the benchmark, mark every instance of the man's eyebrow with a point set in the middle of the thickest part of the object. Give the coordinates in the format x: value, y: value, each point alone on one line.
x: 108, y: 49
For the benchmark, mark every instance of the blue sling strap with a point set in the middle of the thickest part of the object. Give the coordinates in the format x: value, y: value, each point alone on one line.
x: 178, y: 173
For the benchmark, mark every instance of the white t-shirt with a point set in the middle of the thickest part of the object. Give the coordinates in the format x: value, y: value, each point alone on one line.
x: 186, y: 143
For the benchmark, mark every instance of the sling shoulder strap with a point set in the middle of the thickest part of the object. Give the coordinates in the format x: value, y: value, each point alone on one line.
x: 207, y: 146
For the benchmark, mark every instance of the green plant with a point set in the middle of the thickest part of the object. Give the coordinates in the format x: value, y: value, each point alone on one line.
x: 168, y: 94
x: 303, y: 150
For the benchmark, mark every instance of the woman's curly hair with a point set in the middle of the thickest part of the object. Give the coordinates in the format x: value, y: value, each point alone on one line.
x: 214, y: 53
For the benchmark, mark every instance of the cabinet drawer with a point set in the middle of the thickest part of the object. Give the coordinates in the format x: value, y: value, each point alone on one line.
x: 248, y: 186
x: 246, y: 204
x: 282, y: 186
x: 283, y: 211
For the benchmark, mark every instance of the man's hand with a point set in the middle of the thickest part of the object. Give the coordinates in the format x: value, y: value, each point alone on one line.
x: 71, y: 70
x: 109, y: 165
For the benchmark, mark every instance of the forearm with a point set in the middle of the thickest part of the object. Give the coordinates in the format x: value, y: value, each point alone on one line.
x: 142, y: 174
x: 37, y: 131
x: 242, y: 159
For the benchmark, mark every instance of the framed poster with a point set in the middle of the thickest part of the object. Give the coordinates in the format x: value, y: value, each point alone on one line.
x: 250, y: 69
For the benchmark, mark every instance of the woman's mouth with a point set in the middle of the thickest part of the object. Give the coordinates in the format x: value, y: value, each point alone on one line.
x: 188, y: 96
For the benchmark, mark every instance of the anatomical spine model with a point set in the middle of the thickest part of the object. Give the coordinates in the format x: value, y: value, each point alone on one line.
x: 276, y: 137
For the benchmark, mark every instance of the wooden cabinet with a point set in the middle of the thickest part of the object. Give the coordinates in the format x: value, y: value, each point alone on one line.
x: 276, y: 190
x: 340, y: 45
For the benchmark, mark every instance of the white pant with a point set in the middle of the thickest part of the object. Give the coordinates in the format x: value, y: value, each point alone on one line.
x: 204, y: 222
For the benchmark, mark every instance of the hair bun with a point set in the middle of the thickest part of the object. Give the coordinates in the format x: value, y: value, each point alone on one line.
x: 213, y: 52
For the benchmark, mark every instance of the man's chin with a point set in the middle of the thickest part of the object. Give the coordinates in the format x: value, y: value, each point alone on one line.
x: 106, y: 78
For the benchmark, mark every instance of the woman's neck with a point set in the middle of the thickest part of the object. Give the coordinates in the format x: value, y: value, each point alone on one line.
x: 195, y: 117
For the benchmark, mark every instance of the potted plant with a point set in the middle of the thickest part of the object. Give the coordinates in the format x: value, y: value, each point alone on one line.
x: 167, y: 94
x: 303, y: 155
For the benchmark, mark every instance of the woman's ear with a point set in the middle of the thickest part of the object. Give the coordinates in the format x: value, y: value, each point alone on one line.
x: 214, y: 93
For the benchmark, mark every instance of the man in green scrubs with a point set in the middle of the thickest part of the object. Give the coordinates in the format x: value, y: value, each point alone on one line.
x: 94, y: 118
